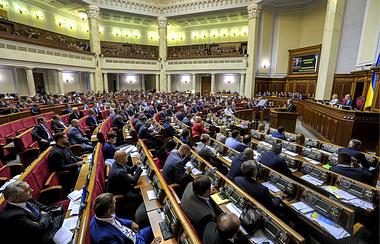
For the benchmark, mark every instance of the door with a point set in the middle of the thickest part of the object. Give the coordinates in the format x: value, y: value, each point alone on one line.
x: 38, y: 81
x: 206, y: 86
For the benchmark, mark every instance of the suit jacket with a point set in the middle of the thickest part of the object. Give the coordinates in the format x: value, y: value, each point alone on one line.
x: 144, y: 133
x: 170, y: 131
x: 185, y: 141
x: 198, y: 129
x: 174, y: 171
x: 118, y: 121
x: 258, y: 192
x: 39, y: 132
x: 359, y: 174
x: 109, y: 150
x: 211, y: 235
x: 205, y: 152
x: 279, y: 135
x: 138, y: 126
x: 150, y: 113
x: 105, y: 233
x: 76, y: 137
x: 35, y: 111
x: 162, y: 116
x: 92, y: 121
x: 241, y: 147
x: 67, y: 111
x: 356, y: 154
x: 169, y: 112
x: 276, y: 163
x: 291, y: 108
x: 121, y: 181
x: 21, y: 226
x: 349, y: 103
x: 74, y: 116
x: 186, y: 122
x: 198, y: 210
x: 57, y: 125
x: 97, y: 110
x: 248, y: 106
x: 180, y: 116
x: 235, y: 169
x: 62, y: 159
x: 194, y: 110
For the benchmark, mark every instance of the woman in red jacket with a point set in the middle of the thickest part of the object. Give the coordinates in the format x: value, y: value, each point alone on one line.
x: 198, y: 127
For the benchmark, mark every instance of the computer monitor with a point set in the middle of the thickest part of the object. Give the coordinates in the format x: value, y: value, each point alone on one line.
x: 213, y: 177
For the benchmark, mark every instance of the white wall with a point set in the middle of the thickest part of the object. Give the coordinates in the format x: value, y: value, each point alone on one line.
x: 6, y: 81
x: 136, y: 81
x: 222, y: 82
x: 181, y: 85
x: 73, y: 84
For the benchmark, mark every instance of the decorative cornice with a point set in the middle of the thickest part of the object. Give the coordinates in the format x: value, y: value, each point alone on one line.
x: 162, y: 22
x: 92, y: 12
x: 254, y: 11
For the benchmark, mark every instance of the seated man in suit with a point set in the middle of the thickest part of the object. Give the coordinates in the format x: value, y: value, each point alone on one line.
x: 139, y: 123
x: 76, y: 136
x: 187, y: 119
x: 224, y: 231
x: 349, y: 101
x: 35, y: 110
x: 194, y: 109
x: 248, y: 183
x: 174, y: 168
x: 356, y: 172
x: 180, y: 114
x: 42, y: 133
x: 234, y: 140
x: 169, y: 111
x: 148, y: 134
x: 91, y: 119
x: 119, y: 122
x: 57, y: 124
x: 185, y: 137
x: 205, y: 151
x: 246, y: 143
x: 291, y: 108
x: 106, y: 228
x: 280, y: 133
x: 239, y: 159
x: 74, y: 115
x: 195, y: 203
x: 162, y: 114
x: 352, y: 149
x: 24, y: 219
x: 62, y: 159
x: 109, y: 148
x: 96, y: 109
x: 273, y: 161
x: 170, y: 131
x: 151, y: 111
x: 136, y: 119
x: 67, y: 109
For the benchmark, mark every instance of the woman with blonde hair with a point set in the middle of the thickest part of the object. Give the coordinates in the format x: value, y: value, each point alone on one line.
x: 198, y: 127
x: 209, y: 119
x: 222, y: 135
x: 261, y: 128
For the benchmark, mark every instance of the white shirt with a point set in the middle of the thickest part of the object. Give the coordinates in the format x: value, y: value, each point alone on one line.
x: 124, y: 229
x: 20, y: 205
x: 228, y: 112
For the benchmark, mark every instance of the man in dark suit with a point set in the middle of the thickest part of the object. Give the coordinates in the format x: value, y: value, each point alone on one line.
x: 185, y: 137
x: 67, y: 109
x: 248, y: 183
x: 180, y: 114
x: 35, y: 109
x: 174, y: 171
x: 239, y: 159
x: 196, y: 204
x: 246, y: 143
x: 291, y: 108
x: 109, y: 147
x: 279, y: 133
x: 273, y: 161
x: 74, y: 115
x: 349, y: 101
x: 356, y: 172
x: 57, y: 124
x: 62, y: 159
x: 42, y: 133
x: 105, y: 227
x: 352, y: 149
x: 187, y: 119
x: 146, y: 133
x: 170, y: 131
x: 91, y: 119
x: 194, y: 109
x: 170, y: 112
x: 224, y: 231
x: 24, y: 219
x: 119, y: 122
x: 139, y: 123
x: 96, y: 109
x: 76, y: 136
x: 151, y: 111
x: 162, y: 114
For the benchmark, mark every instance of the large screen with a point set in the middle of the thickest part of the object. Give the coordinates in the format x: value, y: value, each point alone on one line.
x: 305, y: 63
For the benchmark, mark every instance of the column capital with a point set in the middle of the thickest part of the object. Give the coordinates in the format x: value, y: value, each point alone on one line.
x: 254, y: 11
x: 29, y: 68
x: 92, y: 12
x: 242, y: 73
x: 162, y: 22
x: 105, y: 73
x: 59, y: 70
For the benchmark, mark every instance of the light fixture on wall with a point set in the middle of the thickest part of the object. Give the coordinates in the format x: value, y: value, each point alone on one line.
x: 60, y: 22
x: 185, y: 81
x: 235, y: 32
x: 130, y: 81
x: 194, y: 35
x: 152, y: 36
x: 136, y: 34
x: 214, y: 33
x: 85, y: 28
x: 244, y: 31
x: 181, y: 37
x: 127, y: 33
x: 116, y: 32
x: 228, y: 81
x: 21, y: 9
x: 101, y: 30
x: 2, y: 4
x: 82, y: 14
x: 38, y: 14
x: 204, y: 34
x: 71, y: 26
x: 265, y: 64
x: 172, y: 37
x: 224, y: 33
x: 69, y: 80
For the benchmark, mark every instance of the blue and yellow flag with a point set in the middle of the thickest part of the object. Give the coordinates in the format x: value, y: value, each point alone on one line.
x: 84, y: 197
x: 371, y: 90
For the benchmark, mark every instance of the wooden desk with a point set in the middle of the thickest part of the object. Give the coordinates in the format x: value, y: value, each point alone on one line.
x: 150, y: 205
x: 155, y: 218
x: 11, y: 147
x: 285, y: 119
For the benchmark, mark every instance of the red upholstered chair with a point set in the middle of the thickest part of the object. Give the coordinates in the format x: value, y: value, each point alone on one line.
x: 7, y: 132
x: 28, y: 122
x: 343, y: 101
x: 49, y: 116
x: 360, y: 101
x: 5, y: 174
x: 17, y: 126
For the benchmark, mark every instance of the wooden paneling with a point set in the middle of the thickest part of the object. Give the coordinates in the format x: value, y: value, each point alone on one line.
x: 269, y: 84
x: 342, y: 85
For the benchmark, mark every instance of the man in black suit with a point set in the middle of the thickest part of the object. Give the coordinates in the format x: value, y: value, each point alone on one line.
x: 352, y: 149
x: 118, y: 121
x: 24, y: 220
x: 273, y: 161
x: 349, y: 101
x: 74, y: 115
x: 169, y: 111
x: 42, y: 133
x: 356, y: 172
x: 246, y: 143
x: 291, y: 107
x: 91, y: 119
x: 162, y: 114
x: 140, y: 122
x: 224, y: 231
x: 256, y: 190
x: 62, y: 159
x: 57, y: 124
x: 239, y: 159
x: 196, y: 204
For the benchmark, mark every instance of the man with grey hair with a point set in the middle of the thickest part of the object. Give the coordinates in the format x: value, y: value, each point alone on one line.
x: 42, y: 133
x: 255, y: 189
x: 273, y: 161
x: 352, y: 149
x: 291, y: 107
x: 76, y: 136
x: 24, y: 220
x: 74, y: 115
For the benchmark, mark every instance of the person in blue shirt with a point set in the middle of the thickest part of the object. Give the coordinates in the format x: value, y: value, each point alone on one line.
x: 280, y: 133
x: 68, y: 109
x: 150, y: 111
x: 194, y: 109
x: 186, y: 120
x: 234, y: 140
x: 170, y: 131
x: 109, y: 148
x: 136, y: 119
x: 180, y: 114
x: 185, y: 137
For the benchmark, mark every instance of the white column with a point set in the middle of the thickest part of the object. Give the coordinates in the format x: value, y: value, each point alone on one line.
x: 30, y: 81
x: 169, y: 83
x: 193, y: 83
x: 213, y: 84
x: 105, y: 81
x: 157, y: 82
x: 253, y: 31
x: 162, y: 32
x: 143, y: 82
x: 330, y: 47
x: 242, y: 84
x: 92, y: 82
x: 118, y: 83
x: 82, y: 81
x: 61, y: 89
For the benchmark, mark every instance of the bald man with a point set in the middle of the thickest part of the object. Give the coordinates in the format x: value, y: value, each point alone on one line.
x: 224, y: 231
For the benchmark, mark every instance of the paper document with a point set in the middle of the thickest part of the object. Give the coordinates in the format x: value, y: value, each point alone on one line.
x: 135, y: 155
x: 291, y: 153
x: 227, y: 158
x: 73, y: 204
x: 270, y: 186
x: 75, y: 210
x: 195, y: 171
x: 231, y: 207
x: 337, y: 232
x: 70, y: 223
x: 312, y: 160
x: 218, y: 200
x: 312, y: 180
x: 325, y: 152
x: 293, y: 170
x: 75, y: 195
x: 302, y: 207
x: 143, y: 173
x: 260, y: 237
x: 151, y: 195
x: 163, y: 215
x: 93, y: 136
x: 359, y: 203
x: 63, y: 236
x: 327, y: 166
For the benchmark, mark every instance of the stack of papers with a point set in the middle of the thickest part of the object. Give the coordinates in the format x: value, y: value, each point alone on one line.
x: 75, y: 195
x: 233, y: 209
x: 291, y: 153
x: 10, y: 181
x: 151, y: 195
x: 359, y: 203
x: 135, y: 155
x: 195, y: 171
x: 260, y: 237
x: 312, y: 180
x: 74, y: 206
x: 338, y: 232
x: 227, y: 158
x: 70, y: 223
x: 63, y: 236
x: 143, y: 173
x: 271, y: 187
x: 312, y: 160
x: 302, y: 207
x: 348, y: 197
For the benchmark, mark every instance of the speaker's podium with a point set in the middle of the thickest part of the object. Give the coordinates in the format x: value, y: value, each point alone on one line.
x: 279, y: 117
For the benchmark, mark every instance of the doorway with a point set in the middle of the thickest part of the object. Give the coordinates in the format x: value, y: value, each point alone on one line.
x: 206, y: 86
x: 38, y: 81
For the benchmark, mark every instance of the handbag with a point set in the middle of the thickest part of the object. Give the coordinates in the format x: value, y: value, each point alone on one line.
x: 250, y: 219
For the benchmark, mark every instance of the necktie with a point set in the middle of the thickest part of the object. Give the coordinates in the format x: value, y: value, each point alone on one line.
x: 80, y: 131
x: 33, y: 210
x: 50, y: 135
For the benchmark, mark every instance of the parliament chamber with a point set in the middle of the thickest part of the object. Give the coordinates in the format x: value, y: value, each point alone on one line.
x: 180, y: 121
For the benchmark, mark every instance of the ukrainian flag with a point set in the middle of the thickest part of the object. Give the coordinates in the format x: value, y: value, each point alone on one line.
x: 371, y: 90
